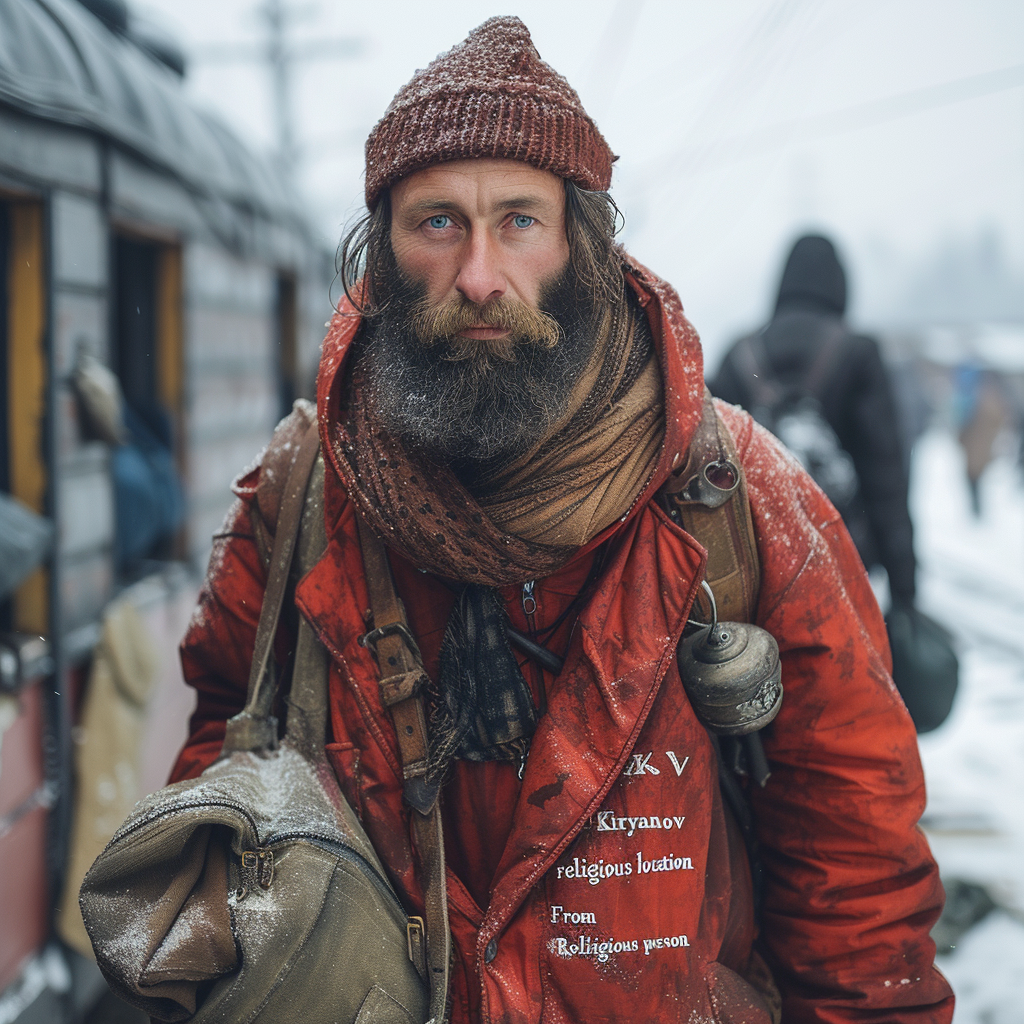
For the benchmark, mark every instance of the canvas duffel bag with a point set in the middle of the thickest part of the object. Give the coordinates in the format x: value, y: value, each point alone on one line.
x: 252, y: 893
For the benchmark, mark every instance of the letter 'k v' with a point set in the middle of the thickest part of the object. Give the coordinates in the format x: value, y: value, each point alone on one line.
x: 641, y: 764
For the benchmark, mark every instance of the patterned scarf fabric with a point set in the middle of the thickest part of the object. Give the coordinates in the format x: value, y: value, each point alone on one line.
x: 482, y: 709
x: 522, y: 522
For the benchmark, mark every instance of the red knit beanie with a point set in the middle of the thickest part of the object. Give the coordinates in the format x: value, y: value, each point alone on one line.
x: 490, y: 96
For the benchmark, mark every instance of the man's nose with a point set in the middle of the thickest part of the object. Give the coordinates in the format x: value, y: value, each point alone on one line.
x: 480, y: 275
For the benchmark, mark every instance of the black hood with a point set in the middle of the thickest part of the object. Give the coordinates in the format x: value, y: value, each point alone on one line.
x: 813, y: 277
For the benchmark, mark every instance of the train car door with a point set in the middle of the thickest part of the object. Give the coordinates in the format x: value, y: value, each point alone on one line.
x: 24, y: 615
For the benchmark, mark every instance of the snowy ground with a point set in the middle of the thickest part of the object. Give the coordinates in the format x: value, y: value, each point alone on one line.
x: 972, y: 580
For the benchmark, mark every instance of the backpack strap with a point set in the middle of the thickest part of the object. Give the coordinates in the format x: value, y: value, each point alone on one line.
x: 725, y: 528
x: 823, y: 363
x: 752, y: 356
x: 720, y: 522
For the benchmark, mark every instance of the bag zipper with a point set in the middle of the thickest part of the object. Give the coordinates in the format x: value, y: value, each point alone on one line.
x: 123, y: 833
x: 327, y: 843
x: 345, y: 853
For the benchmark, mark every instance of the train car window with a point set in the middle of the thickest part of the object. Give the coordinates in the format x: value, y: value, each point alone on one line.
x: 289, y: 387
x: 135, y: 331
x: 146, y: 321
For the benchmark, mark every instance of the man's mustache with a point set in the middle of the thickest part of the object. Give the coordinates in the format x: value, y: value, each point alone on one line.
x: 445, y: 321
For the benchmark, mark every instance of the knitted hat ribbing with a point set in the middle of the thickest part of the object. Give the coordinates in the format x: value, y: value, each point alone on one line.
x: 490, y: 96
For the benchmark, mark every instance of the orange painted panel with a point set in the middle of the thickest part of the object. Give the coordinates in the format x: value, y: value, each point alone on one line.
x: 23, y: 887
x: 26, y: 398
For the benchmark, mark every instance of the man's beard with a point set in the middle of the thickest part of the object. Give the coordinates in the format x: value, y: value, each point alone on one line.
x: 474, y: 404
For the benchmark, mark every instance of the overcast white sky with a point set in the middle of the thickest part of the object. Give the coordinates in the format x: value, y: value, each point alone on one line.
x: 739, y: 123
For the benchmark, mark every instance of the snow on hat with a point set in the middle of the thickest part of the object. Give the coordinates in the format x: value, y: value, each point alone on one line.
x: 490, y: 96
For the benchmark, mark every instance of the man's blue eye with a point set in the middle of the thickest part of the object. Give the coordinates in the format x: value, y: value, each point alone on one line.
x: 522, y: 221
x: 440, y: 221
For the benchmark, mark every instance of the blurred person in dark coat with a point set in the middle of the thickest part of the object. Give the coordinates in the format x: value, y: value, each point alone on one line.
x: 854, y: 394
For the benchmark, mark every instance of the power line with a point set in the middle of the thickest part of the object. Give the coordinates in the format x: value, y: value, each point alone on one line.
x: 770, y: 38
x: 609, y: 60
x: 337, y: 48
x: 694, y: 159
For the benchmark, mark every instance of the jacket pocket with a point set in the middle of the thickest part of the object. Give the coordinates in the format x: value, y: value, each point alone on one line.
x: 344, y: 759
x: 380, y: 1008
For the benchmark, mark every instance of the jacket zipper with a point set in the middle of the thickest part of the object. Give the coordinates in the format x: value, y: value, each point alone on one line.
x: 529, y: 602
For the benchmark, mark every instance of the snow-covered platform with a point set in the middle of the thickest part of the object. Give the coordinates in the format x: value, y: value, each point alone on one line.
x: 971, y: 579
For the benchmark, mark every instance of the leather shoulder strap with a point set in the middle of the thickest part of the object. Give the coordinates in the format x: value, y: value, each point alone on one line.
x: 308, y: 699
x: 254, y: 727
x: 275, y: 465
x: 720, y: 522
x: 401, y: 685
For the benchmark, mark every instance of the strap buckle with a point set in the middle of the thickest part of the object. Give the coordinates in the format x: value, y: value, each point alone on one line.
x: 374, y: 637
x: 713, y: 485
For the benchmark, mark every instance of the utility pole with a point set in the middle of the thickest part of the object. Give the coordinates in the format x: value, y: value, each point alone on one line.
x: 282, y: 57
x: 279, y: 63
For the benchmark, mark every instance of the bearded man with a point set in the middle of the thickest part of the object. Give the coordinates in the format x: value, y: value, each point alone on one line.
x: 501, y: 398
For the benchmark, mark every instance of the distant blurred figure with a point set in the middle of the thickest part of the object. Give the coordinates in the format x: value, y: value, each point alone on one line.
x: 825, y: 393
x: 806, y: 364
x: 980, y: 414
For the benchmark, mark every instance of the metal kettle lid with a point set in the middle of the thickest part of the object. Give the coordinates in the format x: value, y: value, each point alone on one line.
x: 732, y: 673
x: 722, y: 643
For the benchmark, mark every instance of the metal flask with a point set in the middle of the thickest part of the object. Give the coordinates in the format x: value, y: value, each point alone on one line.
x: 732, y: 674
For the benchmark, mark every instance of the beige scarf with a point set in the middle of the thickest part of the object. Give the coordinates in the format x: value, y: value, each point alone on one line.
x: 593, y: 463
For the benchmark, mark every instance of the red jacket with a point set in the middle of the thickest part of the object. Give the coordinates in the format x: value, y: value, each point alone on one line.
x: 611, y: 884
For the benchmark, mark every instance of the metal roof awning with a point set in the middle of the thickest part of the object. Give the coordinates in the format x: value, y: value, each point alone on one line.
x: 60, y: 63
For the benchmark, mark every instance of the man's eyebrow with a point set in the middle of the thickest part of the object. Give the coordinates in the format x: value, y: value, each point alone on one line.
x: 423, y: 206
x: 429, y: 205
x: 525, y: 202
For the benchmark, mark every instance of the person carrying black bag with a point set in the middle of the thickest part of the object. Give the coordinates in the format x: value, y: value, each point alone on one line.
x: 824, y: 390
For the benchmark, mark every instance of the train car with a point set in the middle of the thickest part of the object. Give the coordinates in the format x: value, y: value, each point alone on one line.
x: 162, y: 302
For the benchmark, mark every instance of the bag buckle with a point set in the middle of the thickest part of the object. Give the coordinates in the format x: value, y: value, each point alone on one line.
x: 257, y: 870
x: 415, y: 936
